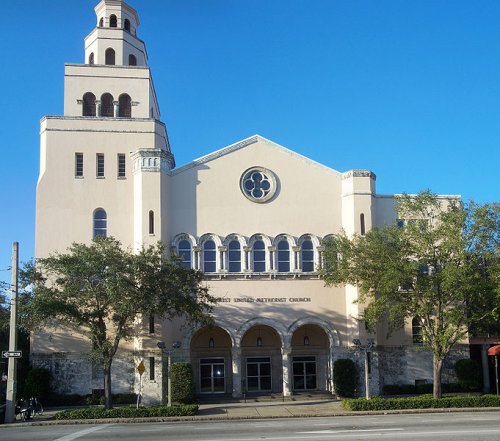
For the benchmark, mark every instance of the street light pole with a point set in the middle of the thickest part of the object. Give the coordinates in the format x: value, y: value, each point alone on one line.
x: 12, y: 374
x: 366, y: 349
x: 168, y: 352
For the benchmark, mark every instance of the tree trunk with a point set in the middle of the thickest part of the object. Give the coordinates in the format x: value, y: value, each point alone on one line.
x: 437, y: 365
x: 107, y: 385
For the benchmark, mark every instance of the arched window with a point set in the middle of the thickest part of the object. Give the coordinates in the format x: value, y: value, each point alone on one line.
x: 113, y: 22
x: 307, y: 256
x: 91, y: 58
x: 107, y: 105
x: 234, y: 256
x: 125, y: 106
x: 101, y: 22
x: 132, y: 60
x: 416, y: 331
x: 151, y: 222
x: 100, y: 223
x: 110, y: 56
x: 259, y: 256
x: 88, y: 107
x: 283, y: 256
x: 362, y: 224
x: 209, y: 257
x: 126, y: 25
x: 184, y: 252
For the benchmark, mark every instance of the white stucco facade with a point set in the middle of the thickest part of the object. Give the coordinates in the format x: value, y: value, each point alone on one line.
x: 106, y: 168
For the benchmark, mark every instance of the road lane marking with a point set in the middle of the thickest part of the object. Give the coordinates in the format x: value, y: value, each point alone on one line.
x: 353, y: 430
x: 81, y: 433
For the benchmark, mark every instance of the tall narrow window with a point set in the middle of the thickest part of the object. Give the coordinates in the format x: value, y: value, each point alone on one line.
x: 184, y: 251
x: 88, y: 104
x: 151, y: 324
x: 307, y: 255
x: 100, y: 165
x: 259, y: 256
x: 132, y: 60
x: 126, y: 25
x: 91, y: 58
x: 151, y: 368
x: 209, y: 257
x: 121, y: 165
x: 234, y: 256
x: 100, y: 223
x: 109, y: 57
x: 283, y: 256
x: 113, y: 22
x: 416, y: 330
x: 362, y: 224
x: 125, y: 106
x: 151, y: 222
x: 107, y: 108
x: 79, y: 165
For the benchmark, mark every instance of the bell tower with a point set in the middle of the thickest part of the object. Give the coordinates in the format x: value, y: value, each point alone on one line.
x: 114, y: 40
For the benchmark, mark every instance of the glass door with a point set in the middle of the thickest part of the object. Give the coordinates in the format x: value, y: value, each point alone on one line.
x: 212, y: 378
x: 304, y: 373
x: 259, y: 374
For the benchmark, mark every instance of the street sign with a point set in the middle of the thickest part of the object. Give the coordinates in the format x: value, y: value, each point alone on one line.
x: 12, y: 354
x: 141, y: 368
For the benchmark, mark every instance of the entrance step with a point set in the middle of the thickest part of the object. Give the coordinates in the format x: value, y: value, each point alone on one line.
x: 255, y: 398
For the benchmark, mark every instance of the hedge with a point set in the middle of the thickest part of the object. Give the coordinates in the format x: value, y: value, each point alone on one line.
x: 412, y: 389
x: 422, y: 402
x: 127, y: 412
x: 344, y: 377
x: 182, y: 383
x: 79, y: 400
x: 469, y: 374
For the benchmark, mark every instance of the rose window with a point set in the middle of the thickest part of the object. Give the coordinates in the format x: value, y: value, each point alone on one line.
x: 258, y: 184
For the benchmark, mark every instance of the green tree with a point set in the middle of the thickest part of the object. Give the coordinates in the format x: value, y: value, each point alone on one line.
x: 100, y: 289
x: 439, y: 263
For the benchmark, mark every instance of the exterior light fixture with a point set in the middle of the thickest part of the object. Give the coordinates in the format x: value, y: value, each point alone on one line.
x: 306, y: 341
x: 211, y: 343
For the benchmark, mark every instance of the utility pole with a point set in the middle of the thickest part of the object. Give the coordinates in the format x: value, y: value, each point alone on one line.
x: 12, y: 372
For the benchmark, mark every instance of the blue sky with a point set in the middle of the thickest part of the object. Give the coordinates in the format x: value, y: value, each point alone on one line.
x: 407, y: 89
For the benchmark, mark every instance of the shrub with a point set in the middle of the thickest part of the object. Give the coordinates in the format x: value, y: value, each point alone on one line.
x: 344, y: 377
x: 182, y: 383
x: 127, y: 412
x: 38, y: 383
x: 411, y: 389
x: 422, y: 402
x: 469, y: 374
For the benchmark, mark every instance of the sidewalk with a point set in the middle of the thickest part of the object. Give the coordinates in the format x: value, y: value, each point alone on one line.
x: 249, y: 410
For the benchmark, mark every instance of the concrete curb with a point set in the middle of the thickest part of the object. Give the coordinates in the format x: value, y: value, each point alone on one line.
x: 225, y: 417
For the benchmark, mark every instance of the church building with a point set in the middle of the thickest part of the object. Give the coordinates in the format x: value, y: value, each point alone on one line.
x: 253, y: 216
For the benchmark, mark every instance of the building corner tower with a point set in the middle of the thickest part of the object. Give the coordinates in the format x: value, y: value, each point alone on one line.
x: 103, y: 172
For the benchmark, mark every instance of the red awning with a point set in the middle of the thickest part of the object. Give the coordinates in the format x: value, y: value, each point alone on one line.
x: 494, y: 350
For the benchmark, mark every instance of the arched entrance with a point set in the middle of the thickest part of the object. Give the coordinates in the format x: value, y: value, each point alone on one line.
x: 211, y: 360
x: 261, y: 361
x: 310, y: 359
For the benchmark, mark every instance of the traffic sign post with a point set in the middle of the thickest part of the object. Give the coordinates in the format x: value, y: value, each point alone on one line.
x: 10, y: 415
x: 12, y: 354
x: 140, y: 368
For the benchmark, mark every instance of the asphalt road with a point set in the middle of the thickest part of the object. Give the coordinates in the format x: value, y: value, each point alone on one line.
x: 436, y: 427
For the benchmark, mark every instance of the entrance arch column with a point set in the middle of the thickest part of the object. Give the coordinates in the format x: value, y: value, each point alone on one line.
x: 236, y: 365
x: 286, y: 360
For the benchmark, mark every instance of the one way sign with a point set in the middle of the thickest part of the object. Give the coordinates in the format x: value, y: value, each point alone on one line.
x: 13, y: 354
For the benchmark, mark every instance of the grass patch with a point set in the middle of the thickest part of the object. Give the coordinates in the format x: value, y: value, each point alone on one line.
x: 421, y: 402
x: 127, y: 412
